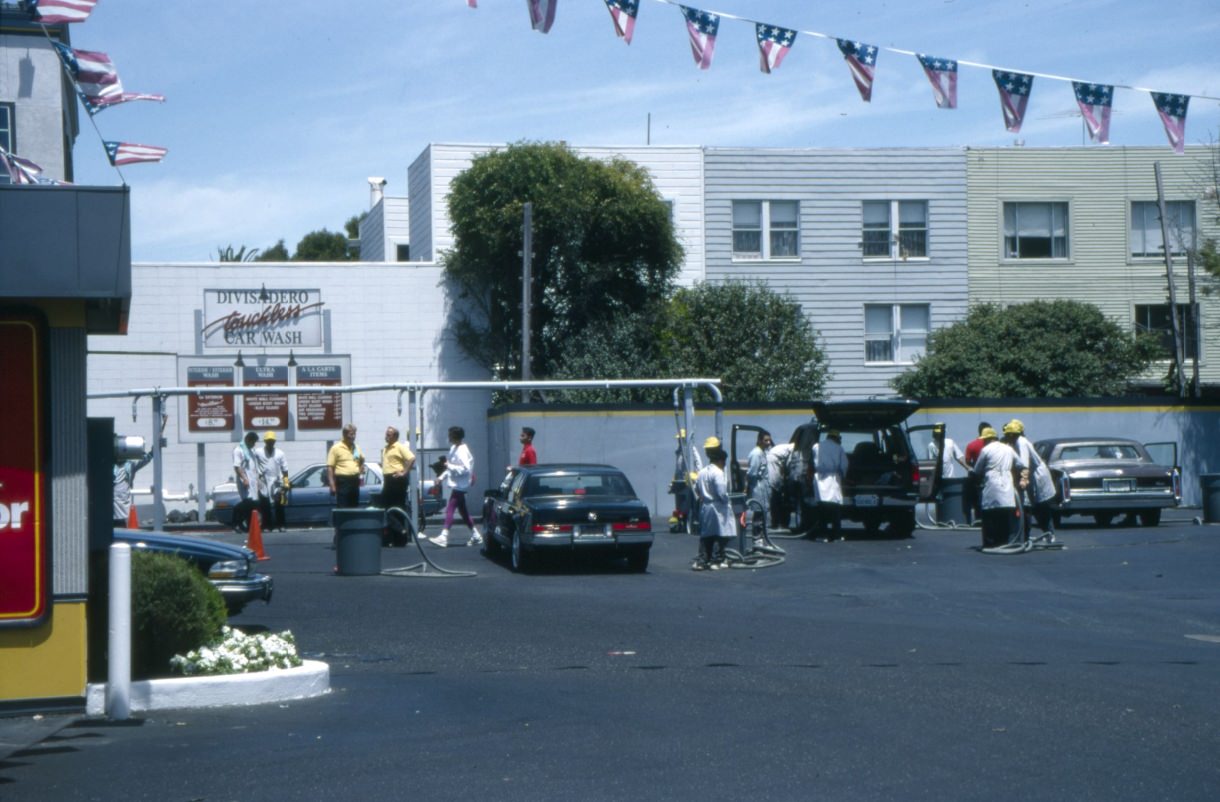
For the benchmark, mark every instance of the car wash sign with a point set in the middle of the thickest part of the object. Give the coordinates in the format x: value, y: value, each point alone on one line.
x: 262, y: 318
x: 24, y: 508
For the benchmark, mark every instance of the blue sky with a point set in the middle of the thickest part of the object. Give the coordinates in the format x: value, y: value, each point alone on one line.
x: 277, y: 112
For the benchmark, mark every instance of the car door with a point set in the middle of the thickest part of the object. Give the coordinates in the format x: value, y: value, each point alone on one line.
x: 738, y: 465
x: 1166, y: 454
x: 926, y: 440
x: 309, y: 500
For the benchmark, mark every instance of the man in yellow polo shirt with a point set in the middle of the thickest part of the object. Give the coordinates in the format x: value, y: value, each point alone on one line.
x: 344, y: 467
x: 396, y: 463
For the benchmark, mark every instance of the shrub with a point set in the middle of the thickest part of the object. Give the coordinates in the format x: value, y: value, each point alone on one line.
x: 173, y: 609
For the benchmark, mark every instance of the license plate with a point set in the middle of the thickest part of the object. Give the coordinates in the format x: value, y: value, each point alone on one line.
x: 867, y: 501
x: 1118, y: 485
x: 596, y: 530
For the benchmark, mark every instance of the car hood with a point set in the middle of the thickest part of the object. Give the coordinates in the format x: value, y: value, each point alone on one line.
x: 183, y: 543
x: 863, y: 415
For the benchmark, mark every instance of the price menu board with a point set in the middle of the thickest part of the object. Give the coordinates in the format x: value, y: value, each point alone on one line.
x: 210, y: 412
x: 265, y: 410
x: 319, y: 410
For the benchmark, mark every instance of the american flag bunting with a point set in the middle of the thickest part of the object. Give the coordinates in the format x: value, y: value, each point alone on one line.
x: 773, y: 44
x: 624, y: 12
x: 702, y: 27
x: 942, y: 72
x: 542, y: 14
x: 1095, y: 101
x: 1172, y: 109
x: 862, y: 61
x: 53, y: 12
x: 1014, y: 90
x: 121, y: 153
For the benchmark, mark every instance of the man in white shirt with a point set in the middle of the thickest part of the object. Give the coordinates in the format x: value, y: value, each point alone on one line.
x: 272, y: 467
x: 829, y: 470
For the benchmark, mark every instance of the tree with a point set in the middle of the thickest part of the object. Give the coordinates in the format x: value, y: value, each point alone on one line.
x: 227, y: 254
x: 322, y: 246
x: 758, y: 342
x: 1042, y: 349
x: 352, y: 226
x: 603, y: 248
x: 276, y: 253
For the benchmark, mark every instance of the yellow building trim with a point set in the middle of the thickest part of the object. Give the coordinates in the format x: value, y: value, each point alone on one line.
x: 47, y: 661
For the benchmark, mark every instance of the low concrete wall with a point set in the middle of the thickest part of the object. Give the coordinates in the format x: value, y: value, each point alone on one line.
x: 641, y: 440
x: 229, y: 690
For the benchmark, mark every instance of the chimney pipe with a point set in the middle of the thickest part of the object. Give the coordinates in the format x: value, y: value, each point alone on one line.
x: 376, y: 190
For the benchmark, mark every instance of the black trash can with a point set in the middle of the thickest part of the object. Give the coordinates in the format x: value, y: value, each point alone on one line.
x: 358, y: 540
x: 1209, y: 484
x: 951, y: 506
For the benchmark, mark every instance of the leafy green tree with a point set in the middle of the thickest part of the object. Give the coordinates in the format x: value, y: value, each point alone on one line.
x: 276, y: 253
x: 352, y: 226
x: 603, y: 247
x: 1042, y: 349
x: 322, y: 246
x: 757, y: 341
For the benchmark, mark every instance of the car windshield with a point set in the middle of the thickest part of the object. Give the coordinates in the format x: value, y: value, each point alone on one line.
x: 578, y: 484
x: 1095, y: 451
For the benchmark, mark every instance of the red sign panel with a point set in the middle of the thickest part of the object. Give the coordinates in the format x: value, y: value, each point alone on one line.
x: 24, y: 509
x: 319, y: 410
x: 265, y: 410
x: 210, y: 412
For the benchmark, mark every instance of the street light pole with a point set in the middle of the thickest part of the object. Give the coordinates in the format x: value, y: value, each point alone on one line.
x: 527, y: 247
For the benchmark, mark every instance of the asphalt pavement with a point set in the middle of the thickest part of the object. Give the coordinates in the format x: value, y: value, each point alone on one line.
x: 868, y: 669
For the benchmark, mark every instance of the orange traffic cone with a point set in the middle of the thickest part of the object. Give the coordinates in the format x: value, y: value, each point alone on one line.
x: 254, y: 538
x: 133, y: 520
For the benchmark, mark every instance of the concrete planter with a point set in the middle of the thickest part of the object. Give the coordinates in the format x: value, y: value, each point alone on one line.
x: 229, y: 690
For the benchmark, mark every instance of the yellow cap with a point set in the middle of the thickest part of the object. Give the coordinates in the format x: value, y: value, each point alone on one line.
x: 712, y: 442
x: 1014, y: 426
x: 988, y: 433
x: 269, y: 436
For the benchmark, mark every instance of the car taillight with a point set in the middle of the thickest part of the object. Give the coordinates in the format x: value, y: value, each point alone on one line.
x: 631, y: 526
x: 1177, y: 484
x: 550, y: 529
x: 1065, y: 486
x: 915, y: 473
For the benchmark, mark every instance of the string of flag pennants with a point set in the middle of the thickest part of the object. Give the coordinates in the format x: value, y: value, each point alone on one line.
x: 97, y: 84
x: 774, y: 42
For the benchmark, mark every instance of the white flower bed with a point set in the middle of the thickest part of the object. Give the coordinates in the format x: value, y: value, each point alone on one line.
x: 239, y: 653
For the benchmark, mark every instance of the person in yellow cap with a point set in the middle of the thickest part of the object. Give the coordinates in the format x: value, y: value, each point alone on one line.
x: 999, y: 467
x: 829, y: 471
x: 1038, y: 485
x: 271, y: 469
x: 716, y: 524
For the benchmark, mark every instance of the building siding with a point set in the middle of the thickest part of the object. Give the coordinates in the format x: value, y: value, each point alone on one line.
x: 1099, y: 184
x: 831, y: 279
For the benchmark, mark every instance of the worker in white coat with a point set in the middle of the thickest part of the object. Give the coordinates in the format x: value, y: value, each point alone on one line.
x: 999, y: 467
x: 829, y: 470
x: 1041, y: 487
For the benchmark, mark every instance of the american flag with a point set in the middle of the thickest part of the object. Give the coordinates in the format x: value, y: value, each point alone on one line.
x: 702, y: 26
x: 542, y: 14
x: 862, y: 61
x: 121, y: 153
x: 1014, y: 96
x: 1094, y: 101
x: 942, y: 72
x: 19, y: 170
x: 472, y: 3
x: 773, y: 44
x: 1172, y: 109
x: 53, y: 12
x: 97, y: 81
x: 623, y: 13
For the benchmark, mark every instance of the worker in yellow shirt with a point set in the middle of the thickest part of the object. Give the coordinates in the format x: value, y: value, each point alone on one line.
x: 396, y: 463
x: 344, y: 467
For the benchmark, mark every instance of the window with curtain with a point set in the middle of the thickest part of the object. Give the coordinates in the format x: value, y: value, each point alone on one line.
x: 895, y: 333
x: 878, y: 238
x: 1035, y: 230
x: 1146, y: 240
x: 766, y: 229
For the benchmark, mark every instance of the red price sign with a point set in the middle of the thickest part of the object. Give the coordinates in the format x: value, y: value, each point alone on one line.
x: 265, y: 410
x: 209, y: 412
x: 319, y: 411
x: 24, y: 513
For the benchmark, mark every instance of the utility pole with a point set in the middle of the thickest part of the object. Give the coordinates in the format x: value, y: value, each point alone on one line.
x: 527, y: 247
x: 1173, y: 296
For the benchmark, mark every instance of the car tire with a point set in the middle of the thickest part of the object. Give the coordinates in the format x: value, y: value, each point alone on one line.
x: 1103, y: 519
x: 1149, y: 517
x: 637, y: 559
x: 522, y: 559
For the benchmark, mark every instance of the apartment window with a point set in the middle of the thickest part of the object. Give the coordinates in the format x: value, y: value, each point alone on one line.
x: 879, y: 238
x: 402, y: 252
x: 1035, y: 231
x: 1146, y: 237
x: 766, y: 229
x: 895, y: 332
x: 8, y: 134
x: 1154, y: 319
